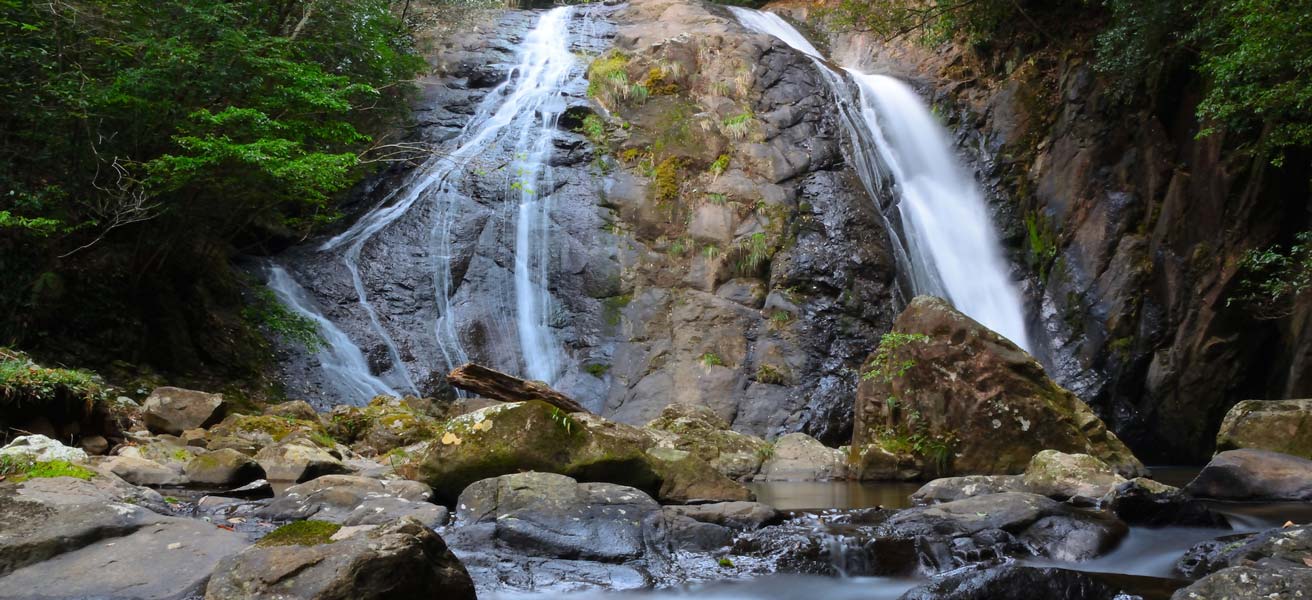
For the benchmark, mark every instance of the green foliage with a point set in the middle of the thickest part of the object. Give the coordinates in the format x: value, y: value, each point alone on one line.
x: 771, y: 375
x: 725, y: 562
x: 563, y: 420
x: 1042, y: 242
x: 720, y: 165
x: 268, y: 312
x: 666, y: 179
x: 25, y: 384
x: 711, y: 359
x: 1273, y: 279
x: 738, y: 126
x: 300, y: 533
x: 608, y: 80
x: 884, y: 365
x: 780, y: 318
x: 751, y: 253
x: 15, y: 469
x: 597, y: 370
x: 936, y: 20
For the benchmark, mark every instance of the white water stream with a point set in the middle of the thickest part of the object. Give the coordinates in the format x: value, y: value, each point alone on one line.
x: 952, y: 250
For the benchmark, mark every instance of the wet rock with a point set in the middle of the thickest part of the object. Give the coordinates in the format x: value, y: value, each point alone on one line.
x: 1141, y: 501
x: 948, y: 489
x: 174, y: 410
x: 1249, y: 583
x: 686, y: 479
x: 1254, y: 475
x: 1063, y: 476
x: 534, y: 436
x: 141, y: 471
x: 402, y: 559
x: 698, y: 430
x: 224, y: 467
x: 800, y: 457
x: 297, y: 461
x: 691, y: 535
x: 545, y: 514
x: 1283, y: 426
x: 1278, y: 548
x: 352, y: 500
x: 741, y: 516
x: 39, y: 448
x: 1016, y: 582
x: 978, y: 393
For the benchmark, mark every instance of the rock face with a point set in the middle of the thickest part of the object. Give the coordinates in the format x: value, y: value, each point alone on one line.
x: 174, y: 410
x: 402, y: 559
x: 1063, y: 476
x: 1283, y: 426
x: 800, y: 457
x: 1254, y: 475
x: 982, y: 398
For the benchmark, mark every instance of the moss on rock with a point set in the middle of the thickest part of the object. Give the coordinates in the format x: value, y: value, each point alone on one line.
x: 301, y: 533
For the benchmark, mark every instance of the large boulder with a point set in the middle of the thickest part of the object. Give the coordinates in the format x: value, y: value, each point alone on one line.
x: 740, y: 516
x: 1016, y: 582
x: 686, y: 479
x: 535, y: 436
x: 402, y: 559
x: 174, y: 410
x: 142, y: 471
x: 39, y: 448
x: 351, y: 500
x: 223, y: 467
x: 1064, y: 476
x: 800, y: 457
x: 1254, y: 475
x: 1142, y: 501
x: 1283, y: 426
x: 298, y: 460
x: 698, y: 430
x: 257, y: 431
x: 385, y: 424
x: 947, y: 489
x: 1249, y: 583
x: 975, y: 402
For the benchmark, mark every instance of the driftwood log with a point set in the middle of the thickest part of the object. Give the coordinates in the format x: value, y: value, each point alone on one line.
x: 496, y: 385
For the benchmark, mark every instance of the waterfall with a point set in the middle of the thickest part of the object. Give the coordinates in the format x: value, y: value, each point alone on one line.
x: 341, y: 360
x: 952, y: 250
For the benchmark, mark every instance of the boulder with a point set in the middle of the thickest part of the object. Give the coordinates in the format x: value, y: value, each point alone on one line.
x: 223, y: 467
x: 691, y: 535
x: 94, y: 444
x: 1063, y: 476
x: 533, y: 435
x: 800, y: 457
x: 385, y: 424
x: 1283, y: 426
x: 1254, y: 475
x: 258, y: 431
x: 174, y: 410
x: 1141, y: 501
x: 698, y: 430
x: 686, y: 479
x: 295, y: 409
x: 545, y: 514
x: 1016, y: 582
x: 980, y: 404
x: 39, y: 448
x: 402, y: 559
x: 1249, y: 583
x: 948, y: 489
x: 141, y: 471
x: 741, y: 516
x: 351, y: 500
x: 297, y: 461
x: 874, y: 462
x: 1284, y: 547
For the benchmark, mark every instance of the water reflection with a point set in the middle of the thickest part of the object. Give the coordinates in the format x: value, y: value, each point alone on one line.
x: 801, y: 495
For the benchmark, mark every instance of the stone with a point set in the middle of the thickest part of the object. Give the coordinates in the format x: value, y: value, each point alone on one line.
x: 1145, y: 502
x: 353, y: 500
x: 224, y: 467
x: 196, y: 438
x: 686, y: 479
x: 1283, y: 547
x: 382, y: 426
x: 401, y: 559
x: 297, y: 461
x: 873, y: 462
x: 698, y: 430
x: 800, y: 457
x: 39, y: 448
x: 988, y: 403
x: 174, y: 410
x: 691, y: 535
x: 295, y: 409
x: 95, y: 445
x: 545, y: 514
x: 740, y: 516
x: 141, y: 471
x: 259, y: 431
x: 1283, y: 426
x: 1063, y: 476
x: 1249, y: 583
x: 535, y: 436
x: 947, y: 489
x: 1016, y: 582
x: 1254, y: 475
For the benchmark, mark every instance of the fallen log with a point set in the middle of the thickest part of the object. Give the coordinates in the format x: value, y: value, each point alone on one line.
x: 493, y: 384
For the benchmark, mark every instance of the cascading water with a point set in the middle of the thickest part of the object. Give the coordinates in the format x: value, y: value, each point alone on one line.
x: 952, y: 250
x: 516, y: 120
x: 340, y: 359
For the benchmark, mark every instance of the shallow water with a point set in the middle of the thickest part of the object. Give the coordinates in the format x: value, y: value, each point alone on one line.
x: 804, y: 495
x: 775, y: 587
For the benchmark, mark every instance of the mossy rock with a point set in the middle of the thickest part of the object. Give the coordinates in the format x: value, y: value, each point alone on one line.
x: 1283, y: 426
x: 385, y: 424
x: 534, y: 436
x: 686, y: 479
x: 264, y: 430
x: 300, y: 533
x: 700, y: 432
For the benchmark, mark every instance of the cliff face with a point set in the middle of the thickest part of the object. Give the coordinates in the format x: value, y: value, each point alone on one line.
x: 1129, y: 230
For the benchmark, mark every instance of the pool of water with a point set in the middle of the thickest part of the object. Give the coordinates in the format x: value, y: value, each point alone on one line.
x: 804, y: 495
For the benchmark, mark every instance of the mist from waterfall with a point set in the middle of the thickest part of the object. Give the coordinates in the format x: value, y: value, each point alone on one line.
x: 952, y: 250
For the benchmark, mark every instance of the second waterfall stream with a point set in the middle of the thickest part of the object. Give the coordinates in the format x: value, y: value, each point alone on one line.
x: 951, y: 247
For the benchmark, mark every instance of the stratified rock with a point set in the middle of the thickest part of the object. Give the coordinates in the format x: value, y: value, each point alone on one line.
x: 39, y: 448
x: 984, y: 398
x: 297, y: 461
x: 532, y: 435
x: 1283, y: 426
x: 141, y: 471
x: 1249, y: 583
x: 1284, y: 547
x: 800, y: 457
x: 224, y: 467
x: 1015, y: 582
x: 1254, y: 475
x: 351, y: 500
x: 174, y: 410
x: 1062, y: 476
x: 948, y: 489
x: 699, y: 430
x: 402, y: 559
x: 544, y: 514
x: 686, y: 479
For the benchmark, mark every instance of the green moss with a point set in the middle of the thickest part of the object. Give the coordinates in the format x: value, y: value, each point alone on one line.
x: 725, y: 562
x: 597, y: 370
x: 711, y: 359
x: 613, y: 307
x: 771, y: 375
x: 720, y: 165
x: 18, y: 470
x: 608, y: 79
x: 300, y: 533
x: 659, y: 83
x: 884, y: 365
x: 27, y: 385
x: 666, y: 179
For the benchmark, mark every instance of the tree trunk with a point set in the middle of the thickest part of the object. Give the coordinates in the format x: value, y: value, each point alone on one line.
x: 496, y: 385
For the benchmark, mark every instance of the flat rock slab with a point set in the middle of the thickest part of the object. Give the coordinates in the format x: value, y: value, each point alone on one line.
x: 170, y: 558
